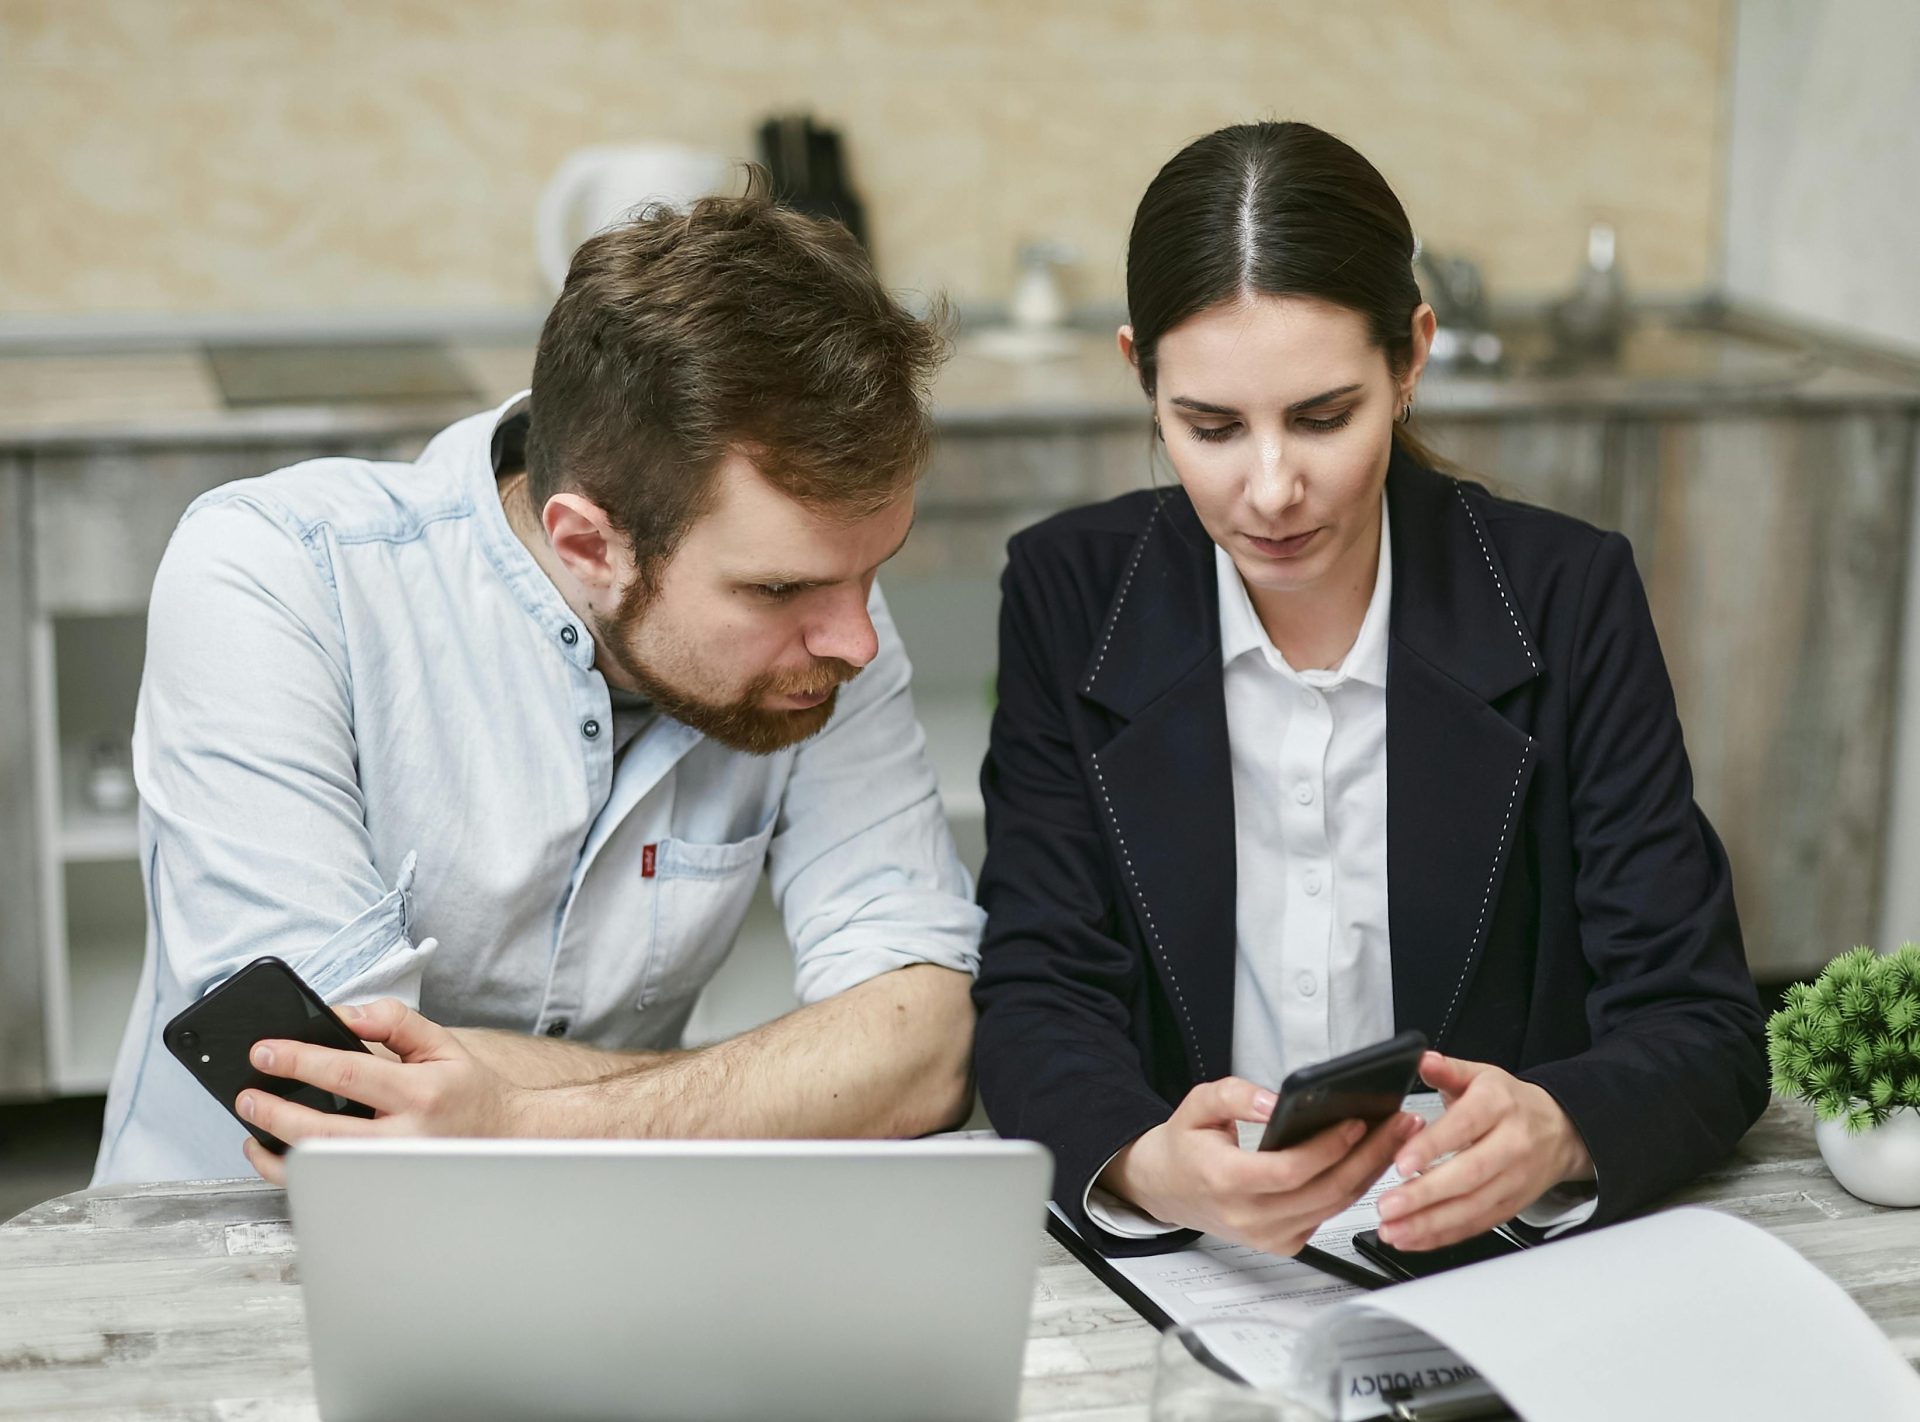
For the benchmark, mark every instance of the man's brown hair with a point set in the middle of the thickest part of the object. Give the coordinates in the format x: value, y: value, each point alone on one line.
x: 736, y: 324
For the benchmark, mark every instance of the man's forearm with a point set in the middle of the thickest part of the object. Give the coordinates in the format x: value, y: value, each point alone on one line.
x: 887, y: 1058
x: 547, y: 1061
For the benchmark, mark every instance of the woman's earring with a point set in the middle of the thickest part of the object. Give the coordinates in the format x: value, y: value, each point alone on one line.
x: 1406, y: 413
x: 1159, y: 433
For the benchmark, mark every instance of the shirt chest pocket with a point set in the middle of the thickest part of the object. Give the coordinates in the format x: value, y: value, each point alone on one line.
x: 701, y: 893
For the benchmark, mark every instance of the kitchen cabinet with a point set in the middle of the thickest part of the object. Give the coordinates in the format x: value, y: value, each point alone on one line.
x: 22, y: 1039
x: 82, y: 532
x: 1774, y: 551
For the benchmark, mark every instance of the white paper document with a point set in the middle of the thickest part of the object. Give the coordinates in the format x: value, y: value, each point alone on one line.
x: 1683, y: 1315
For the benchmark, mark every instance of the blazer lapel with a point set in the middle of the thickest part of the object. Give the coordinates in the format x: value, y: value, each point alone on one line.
x: 1457, y: 770
x: 1164, y: 780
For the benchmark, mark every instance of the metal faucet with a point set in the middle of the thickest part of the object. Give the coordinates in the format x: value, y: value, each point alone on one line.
x: 1453, y: 287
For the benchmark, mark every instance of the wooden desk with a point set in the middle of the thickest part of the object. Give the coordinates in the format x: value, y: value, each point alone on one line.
x: 182, y: 1301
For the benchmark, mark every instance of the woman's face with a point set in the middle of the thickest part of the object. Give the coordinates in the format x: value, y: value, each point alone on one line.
x: 1278, y: 415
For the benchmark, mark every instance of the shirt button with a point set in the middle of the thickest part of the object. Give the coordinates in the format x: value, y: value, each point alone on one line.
x: 1312, y: 881
x: 1303, y: 793
x: 590, y: 728
x: 569, y: 635
x: 1307, y: 984
x: 557, y: 1027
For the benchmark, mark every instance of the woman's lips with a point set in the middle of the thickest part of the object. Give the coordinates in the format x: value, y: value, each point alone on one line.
x: 1283, y: 547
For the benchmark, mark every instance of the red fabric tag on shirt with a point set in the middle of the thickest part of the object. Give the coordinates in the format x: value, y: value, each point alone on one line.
x: 646, y: 861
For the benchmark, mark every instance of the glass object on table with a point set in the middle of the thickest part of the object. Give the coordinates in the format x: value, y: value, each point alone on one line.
x: 1239, y: 1368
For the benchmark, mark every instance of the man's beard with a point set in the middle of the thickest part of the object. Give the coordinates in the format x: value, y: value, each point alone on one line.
x: 742, y: 724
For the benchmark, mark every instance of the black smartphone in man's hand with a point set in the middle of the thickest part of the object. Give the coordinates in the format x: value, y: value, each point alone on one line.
x: 214, y: 1039
x: 1365, y: 1085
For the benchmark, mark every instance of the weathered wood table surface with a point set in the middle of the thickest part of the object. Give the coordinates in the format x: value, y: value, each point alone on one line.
x: 182, y: 1302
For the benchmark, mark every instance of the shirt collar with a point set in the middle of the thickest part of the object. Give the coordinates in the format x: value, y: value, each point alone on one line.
x: 509, y: 452
x: 1365, y: 661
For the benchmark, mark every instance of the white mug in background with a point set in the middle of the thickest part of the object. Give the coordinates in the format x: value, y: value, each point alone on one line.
x: 596, y: 187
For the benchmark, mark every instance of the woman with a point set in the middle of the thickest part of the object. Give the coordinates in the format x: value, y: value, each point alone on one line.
x: 1324, y: 745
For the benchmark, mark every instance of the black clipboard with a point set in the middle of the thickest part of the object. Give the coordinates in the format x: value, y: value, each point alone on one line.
x: 1102, y: 1269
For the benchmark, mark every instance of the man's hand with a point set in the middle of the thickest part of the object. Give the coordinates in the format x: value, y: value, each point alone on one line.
x: 1191, y: 1171
x: 436, y: 1088
x: 1509, y: 1142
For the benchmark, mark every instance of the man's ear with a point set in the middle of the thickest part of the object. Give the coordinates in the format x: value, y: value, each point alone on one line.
x: 584, y: 541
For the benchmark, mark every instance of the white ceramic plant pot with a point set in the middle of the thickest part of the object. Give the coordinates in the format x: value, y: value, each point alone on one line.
x: 1881, y: 1165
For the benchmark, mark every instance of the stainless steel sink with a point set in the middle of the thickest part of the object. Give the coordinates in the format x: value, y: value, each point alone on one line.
x: 337, y: 373
x: 1662, y: 347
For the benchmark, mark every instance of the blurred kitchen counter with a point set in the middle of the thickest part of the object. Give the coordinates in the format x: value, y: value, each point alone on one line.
x: 53, y: 398
x: 1766, y: 478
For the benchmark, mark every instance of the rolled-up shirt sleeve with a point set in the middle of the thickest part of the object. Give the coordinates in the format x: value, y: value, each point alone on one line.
x: 862, y: 863
x: 251, y: 809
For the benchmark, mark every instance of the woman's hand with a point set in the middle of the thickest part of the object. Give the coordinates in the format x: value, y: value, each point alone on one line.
x: 1509, y: 1142
x: 1192, y: 1172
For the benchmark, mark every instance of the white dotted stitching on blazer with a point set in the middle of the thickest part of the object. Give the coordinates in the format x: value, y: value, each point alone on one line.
x: 1152, y: 932
x: 1499, y: 853
x: 1474, y: 523
x: 1120, y: 602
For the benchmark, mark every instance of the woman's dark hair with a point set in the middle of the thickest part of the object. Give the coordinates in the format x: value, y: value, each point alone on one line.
x: 1270, y: 209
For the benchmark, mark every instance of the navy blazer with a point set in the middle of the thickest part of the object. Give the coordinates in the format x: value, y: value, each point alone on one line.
x: 1557, y: 904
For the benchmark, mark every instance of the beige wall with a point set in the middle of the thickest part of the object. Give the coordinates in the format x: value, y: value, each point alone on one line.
x: 267, y: 155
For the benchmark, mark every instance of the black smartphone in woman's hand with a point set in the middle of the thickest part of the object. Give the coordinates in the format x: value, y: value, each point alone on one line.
x: 1365, y: 1085
x: 1495, y: 1243
x: 214, y: 1039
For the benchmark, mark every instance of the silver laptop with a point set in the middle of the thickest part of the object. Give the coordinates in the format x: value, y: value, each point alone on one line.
x: 699, y: 1281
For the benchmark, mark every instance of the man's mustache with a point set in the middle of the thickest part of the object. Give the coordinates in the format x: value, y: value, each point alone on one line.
x: 824, y: 675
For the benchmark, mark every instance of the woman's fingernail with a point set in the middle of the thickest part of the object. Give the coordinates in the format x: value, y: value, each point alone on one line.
x: 348, y: 1011
x: 263, y: 1056
x: 245, y: 1105
x: 1390, y: 1208
x: 1355, y: 1130
x: 1265, y: 1101
x: 1389, y: 1235
x: 1409, y: 1127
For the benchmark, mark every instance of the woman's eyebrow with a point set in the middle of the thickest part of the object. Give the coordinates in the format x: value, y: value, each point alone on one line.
x: 1201, y: 407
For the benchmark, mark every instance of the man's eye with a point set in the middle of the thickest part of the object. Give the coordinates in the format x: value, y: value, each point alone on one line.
x: 1212, y: 433
x: 774, y: 592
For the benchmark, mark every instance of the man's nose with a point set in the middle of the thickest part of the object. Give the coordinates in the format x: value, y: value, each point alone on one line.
x: 845, y: 631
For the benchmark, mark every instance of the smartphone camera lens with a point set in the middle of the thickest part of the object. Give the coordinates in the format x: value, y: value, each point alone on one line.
x: 190, y: 1041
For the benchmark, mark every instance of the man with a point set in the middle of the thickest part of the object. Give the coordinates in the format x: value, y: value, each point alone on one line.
x: 508, y: 734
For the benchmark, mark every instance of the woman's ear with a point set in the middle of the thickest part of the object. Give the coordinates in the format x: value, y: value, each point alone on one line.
x: 1421, y: 328
x: 1124, y: 339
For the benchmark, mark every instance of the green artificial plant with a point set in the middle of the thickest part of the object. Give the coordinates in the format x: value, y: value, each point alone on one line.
x: 1849, y: 1042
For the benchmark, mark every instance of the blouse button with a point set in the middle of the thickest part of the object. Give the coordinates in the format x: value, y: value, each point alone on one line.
x: 1307, y: 984
x: 569, y: 635
x: 1303, y: 793
x: 1312, y: 882
x: 590, y: 728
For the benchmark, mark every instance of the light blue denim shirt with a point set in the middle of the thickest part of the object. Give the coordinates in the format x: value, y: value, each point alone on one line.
x: 371, y: 741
